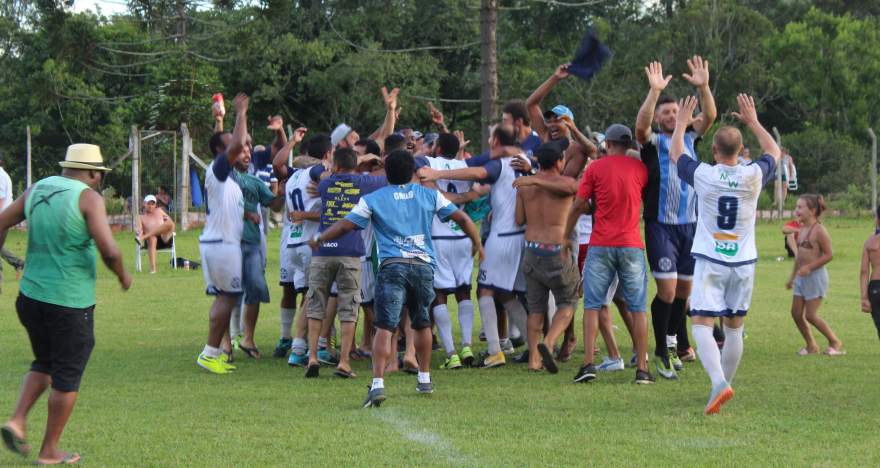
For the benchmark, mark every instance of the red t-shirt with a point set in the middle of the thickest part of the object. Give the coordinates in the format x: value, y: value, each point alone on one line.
x: 794, y: 224
x: 615, y: 184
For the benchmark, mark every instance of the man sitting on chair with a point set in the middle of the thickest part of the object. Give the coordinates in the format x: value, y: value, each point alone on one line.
x: 156, y: 229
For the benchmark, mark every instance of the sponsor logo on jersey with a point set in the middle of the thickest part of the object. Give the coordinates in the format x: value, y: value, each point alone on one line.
x: 726, y: 244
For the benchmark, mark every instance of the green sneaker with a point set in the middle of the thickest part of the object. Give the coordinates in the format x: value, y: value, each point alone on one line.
x: 235, y: 341
x: 467, y: 356
x: 224, y: 360
x: 675, y: 360
x: 452, y: 362
x: 664, y: 367
x: 211, y: 364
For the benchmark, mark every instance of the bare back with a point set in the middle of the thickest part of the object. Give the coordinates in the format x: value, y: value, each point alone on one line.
x: 546, y: 214
x: 872, y: 248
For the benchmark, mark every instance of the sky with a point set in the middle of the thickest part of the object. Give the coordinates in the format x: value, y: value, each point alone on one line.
x: 108, y: 7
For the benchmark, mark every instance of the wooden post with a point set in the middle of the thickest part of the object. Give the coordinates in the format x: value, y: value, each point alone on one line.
x: 488, y: 69
x: 30, y: 175
x: 873, y: 171
x: 778, y: 189
x: 135, y: 177
x: 176, y: 175
x: 183, y: 196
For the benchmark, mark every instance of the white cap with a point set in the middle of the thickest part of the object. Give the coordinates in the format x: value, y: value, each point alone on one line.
x: 339, y: 134
x: 149, y: 198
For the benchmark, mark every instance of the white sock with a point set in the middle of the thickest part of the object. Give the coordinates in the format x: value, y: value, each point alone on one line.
x: 211, y: 351
x: 671, y: 341
x: 710, y: 357
x: 466, y: 321
x: 732, y: 352
x: 378, y: 383
x: 490, y: 323
x: 424, y: 377
x: 299, y: 346
x: 235, y: 327
x: 517, y: 315
x: 444, y: 325
x: 287, y: 315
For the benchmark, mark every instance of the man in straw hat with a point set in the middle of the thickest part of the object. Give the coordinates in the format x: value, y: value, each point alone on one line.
x: 66, y: 221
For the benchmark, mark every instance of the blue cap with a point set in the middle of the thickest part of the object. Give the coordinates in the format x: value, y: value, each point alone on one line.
x: 559, y: 111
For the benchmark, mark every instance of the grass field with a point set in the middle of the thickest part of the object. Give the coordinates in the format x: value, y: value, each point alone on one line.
x: 145, y: 402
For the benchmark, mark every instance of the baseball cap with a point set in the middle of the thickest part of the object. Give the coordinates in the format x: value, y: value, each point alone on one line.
x: 619, y: 133
x: 417, y: 135
x: 149, y: 198
x: 430, y: 138
x: 339, y: 133
x: 559, y: 111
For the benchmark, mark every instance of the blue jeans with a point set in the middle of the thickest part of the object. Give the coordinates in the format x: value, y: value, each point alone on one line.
x: 400, y: 284
x: 628, y: 263
x: 254, y: 274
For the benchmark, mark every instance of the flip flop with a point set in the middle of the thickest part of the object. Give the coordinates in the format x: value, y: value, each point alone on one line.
x: 834, y: 352
x: 13, y: 442
x: 312, y: 371
x: 345, y: 374
x: 69, y: 459
x: 253, y: 353
x: 804, y: 352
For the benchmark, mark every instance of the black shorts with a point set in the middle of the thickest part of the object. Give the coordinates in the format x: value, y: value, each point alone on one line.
x: 161, y: 244
x: 669, y: 249
x: 62, y: 339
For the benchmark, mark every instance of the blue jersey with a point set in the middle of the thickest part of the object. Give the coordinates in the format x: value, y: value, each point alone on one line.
x: 667, y: 198
x: 402, y: 216
x: 340, y: 193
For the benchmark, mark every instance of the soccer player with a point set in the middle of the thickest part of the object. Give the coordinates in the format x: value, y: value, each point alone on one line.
x: 724, y: 246
x: 56, y: 303
x: 402, y: 214
x: 543, y: 202
x: 220, y: 242
x: 670, y: 205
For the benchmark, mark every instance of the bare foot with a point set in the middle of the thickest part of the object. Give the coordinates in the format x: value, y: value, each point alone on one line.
x: 62, y: 458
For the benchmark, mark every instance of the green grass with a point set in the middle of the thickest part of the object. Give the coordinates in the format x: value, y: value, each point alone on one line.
x: 145, y: 402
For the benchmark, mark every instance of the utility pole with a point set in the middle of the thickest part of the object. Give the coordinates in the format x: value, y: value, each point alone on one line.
x: 873, y: 171
x: 488, y: 68
x: 181, y: 22
x: 29, y: 171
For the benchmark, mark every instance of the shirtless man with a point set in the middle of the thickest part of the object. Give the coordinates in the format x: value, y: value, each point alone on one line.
x: 542, y: 204
x: 871, y: 270
x: 156, y: 229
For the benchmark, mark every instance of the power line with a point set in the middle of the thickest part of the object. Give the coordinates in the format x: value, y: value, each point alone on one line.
x: 434, y: 99
x: 567, y: 4
x: 395, y: 51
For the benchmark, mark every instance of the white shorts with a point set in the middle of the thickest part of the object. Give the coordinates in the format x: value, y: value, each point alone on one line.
x: 721, y: 290
x: 455, y: 264
x: 501, y: 270
x: 285, y: 263
x: 368, y: 282
x: 221, y: 264
x: 300, y: 259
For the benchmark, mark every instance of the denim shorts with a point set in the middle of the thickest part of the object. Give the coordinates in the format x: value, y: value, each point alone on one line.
x: 409, y: 283
x: 602, y: 264
x: 253, y: 273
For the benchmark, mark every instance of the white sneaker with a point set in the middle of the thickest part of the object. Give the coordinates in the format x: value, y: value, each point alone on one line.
x: 611, y: 365
x: 507, y: 346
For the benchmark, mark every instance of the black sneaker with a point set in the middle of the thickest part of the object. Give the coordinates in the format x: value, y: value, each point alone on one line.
x: 586, y: 374
x: 282, y: 347
x: 425, y: 387
x: 644, y: 377
x: 547, y: 359
x: 375, y: 397
x: 518, y: 341
x: 522, y: 358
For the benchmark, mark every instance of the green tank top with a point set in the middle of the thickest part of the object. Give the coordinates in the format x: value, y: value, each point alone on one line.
x: 60, y: 264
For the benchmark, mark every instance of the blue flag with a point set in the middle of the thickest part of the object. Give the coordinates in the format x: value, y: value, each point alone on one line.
x: 590, y: 57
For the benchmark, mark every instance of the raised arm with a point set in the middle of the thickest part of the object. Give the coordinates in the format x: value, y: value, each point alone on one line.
x: 279, y: 161
x: 683, y: 119
x: 437, y: 118
x: 91, y: 203
x: 533, y: 103
x: 748, y: 115
x: 387, y: 128
x: 657, y: 83
x: 699, y: 78
x: 276, y: 124
x: 240, y: 132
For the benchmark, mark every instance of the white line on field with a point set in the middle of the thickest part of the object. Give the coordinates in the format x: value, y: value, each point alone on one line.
x: 410, y: 430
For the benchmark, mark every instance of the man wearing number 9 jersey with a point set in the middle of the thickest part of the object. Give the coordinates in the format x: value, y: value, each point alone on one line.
x: 724, y: 246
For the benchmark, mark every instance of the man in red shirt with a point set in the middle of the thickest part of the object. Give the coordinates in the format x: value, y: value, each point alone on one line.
x: 613, y: 186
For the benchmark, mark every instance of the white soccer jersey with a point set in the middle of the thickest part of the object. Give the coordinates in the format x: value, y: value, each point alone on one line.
x: 449, y: 229
x: 297, y: 198
x: 225, y: 219
x: 584, y: 229
x: 503, y: 198
x: 728, y: 200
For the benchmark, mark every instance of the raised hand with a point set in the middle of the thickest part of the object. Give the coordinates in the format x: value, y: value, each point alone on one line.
x: 685, y: 115
x: 299, y: 134
x: 747, y: 114
x: 462, y: 143
x: 562, y: 71
x: 699, y: 75
x: 390, y: 97
x: 436, y: 115
x: 658, y: 82
x: 275, y: 123
x: 241, y: 102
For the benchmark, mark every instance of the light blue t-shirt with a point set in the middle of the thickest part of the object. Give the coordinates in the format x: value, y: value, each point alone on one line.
x: 402, y: 216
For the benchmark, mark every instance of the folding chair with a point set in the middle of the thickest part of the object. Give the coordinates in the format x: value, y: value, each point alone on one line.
x: 171, y: 250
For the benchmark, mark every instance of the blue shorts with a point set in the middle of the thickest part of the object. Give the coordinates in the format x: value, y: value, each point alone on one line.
x: 398, y: 284
x: 628, y: 264
x: 253, y: 274
x: 669, y: 249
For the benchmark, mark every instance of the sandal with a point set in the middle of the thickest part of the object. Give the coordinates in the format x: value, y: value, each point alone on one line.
x: 803, y: 352
x: 834, y: 352
x: 345, y: 374
x: 253, y: 353
x: 69, y: 459
x: 14, y: 442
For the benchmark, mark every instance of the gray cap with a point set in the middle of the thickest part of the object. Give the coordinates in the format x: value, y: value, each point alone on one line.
x: 619, y: 133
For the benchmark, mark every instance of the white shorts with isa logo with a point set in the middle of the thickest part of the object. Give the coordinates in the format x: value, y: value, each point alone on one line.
x: 455, y: 264
x: 721, y: 290
x: 501, y: 270
x: 221, y: 264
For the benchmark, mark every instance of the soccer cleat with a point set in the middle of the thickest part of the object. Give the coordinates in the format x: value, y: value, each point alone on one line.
x: 522, y: 358
x: 586, y: 374
x: 298, y: 360
x: 719, y: 396
x: 611, y: 365
x: 494, y: 360
x: 426, y: 388
x: 467, y: 356
x: 675, y: 360
x: 452, y: 362
x: 226, y: 360
x: 687, y: 355
x: 643, y: 377
x: 212, y: 364
x: 547, y: 358
x: 282, y: 348
x: 664, y: 367
x: 324, y: 357
x: 507, y: 346
x: 375, y: 397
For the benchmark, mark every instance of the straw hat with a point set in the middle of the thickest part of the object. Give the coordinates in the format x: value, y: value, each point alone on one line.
x: 84, y: 156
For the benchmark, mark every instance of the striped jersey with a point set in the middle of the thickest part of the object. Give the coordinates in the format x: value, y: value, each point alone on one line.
x: 667, y: 198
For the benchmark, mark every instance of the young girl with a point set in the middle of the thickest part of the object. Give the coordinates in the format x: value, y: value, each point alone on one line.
x: 809, y: 277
